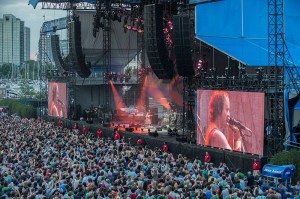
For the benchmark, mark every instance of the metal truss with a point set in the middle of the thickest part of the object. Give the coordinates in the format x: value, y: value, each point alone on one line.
x: 291, y: 70
x: 53, y: 25
x: 276, y: 56
x: 250, y: 83
x: 68, y: 5
x: 42, y: 60
x: 190, y: 107
x: 107, y: 52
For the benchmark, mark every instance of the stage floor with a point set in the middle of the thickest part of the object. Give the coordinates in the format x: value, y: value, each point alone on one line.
x: 162, y: 133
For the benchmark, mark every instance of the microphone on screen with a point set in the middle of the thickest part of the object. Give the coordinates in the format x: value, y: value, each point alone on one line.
x: 239, y: 125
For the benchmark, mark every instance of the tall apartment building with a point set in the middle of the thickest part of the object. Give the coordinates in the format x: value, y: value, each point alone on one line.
x: 15, y: 40
x: 26, y: 44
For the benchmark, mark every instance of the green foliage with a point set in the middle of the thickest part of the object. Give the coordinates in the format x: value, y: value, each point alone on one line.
x: 42, y: 94
x: 5, y: 70
x: 29, y: 70
x: 26, y: 89
x: 16, y: 106
x: 288, y: 157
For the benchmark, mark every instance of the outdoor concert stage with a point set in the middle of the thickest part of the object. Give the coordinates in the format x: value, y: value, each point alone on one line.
x: 233, y: 159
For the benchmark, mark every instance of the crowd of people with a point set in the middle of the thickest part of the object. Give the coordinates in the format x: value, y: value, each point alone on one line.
x: 41, y: 159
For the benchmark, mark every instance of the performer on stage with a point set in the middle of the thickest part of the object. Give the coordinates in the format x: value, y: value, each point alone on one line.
x: 148, y: 118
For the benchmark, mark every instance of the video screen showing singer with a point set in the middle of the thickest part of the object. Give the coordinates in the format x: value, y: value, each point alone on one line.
x: 57, y: 99
x: 230, y: 120
x: 219, y: 116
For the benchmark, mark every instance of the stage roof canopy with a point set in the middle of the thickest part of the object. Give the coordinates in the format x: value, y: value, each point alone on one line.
x: 239, y: 28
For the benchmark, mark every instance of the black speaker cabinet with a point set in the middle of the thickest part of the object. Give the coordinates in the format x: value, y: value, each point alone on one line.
x: 182, y: 39
x: 156, y: 49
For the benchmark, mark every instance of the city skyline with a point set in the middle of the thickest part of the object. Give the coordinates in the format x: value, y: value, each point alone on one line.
x: 33, y: 18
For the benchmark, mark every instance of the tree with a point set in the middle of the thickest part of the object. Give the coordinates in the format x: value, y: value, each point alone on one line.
x: 29, y: 70
x: 288, y: 157
x: 26, y: 90
x: 21, y: 109
x: 42, y: 94
x: 5, y: 71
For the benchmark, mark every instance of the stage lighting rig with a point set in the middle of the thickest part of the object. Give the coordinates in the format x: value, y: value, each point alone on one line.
x: 213, y: 72
x: 168, y: 29
x: 260, y: 73
x: 227, y: 72
x: 108, y: 76
x: 198, y: 68
x: 115, y: 77
x: 243, y: 72
x: 127, y: 78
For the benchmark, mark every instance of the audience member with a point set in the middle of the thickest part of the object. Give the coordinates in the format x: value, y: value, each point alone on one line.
x: 41, y: 160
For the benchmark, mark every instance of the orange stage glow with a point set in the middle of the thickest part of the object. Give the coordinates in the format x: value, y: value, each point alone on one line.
x: 142, y: 99
x: 175, y: 94
x: 155, y: 92
x: 118, y: 100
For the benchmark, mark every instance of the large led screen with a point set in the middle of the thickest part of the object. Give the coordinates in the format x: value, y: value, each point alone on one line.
x: 231, y: 120
x: 57, y: 99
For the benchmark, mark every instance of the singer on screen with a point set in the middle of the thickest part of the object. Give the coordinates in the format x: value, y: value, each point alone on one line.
x: 219, y: 132
x: 56, y: 105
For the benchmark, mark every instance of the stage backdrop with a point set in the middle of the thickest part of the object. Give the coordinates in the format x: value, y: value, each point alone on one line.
x: 57, y: 99
x: 246, y: 107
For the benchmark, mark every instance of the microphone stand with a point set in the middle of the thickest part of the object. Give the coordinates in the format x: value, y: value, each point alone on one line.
x: 244, y: 147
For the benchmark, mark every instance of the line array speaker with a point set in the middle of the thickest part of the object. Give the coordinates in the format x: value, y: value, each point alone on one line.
x: 182, y: 45
x: 156, y: 49
x: 77, y: 56
x: 56, y: 54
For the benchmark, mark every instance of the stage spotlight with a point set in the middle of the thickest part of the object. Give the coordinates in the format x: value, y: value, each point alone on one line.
x: 108, y: 76
x: 259, y: 72
x: 127, y: 78
x: 140, y: 30
x: 227, y: 73
x: 115, y: 77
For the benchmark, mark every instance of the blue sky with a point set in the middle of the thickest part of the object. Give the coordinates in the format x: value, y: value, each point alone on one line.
x: 33, y: 18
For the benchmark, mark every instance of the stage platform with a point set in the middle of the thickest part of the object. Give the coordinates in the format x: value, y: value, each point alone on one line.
x: 177, y: 145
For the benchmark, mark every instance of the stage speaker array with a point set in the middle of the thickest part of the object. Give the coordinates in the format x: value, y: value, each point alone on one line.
x: 77, y: 57
x: 156, y: 49
x: 56, y: 54
x: 182, y: 45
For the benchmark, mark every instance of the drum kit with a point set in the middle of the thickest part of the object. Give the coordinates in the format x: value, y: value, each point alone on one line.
x: 172, y: 119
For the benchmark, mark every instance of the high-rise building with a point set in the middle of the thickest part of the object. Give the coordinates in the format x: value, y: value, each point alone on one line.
x: 14, y: 45
x: 26, y: 44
